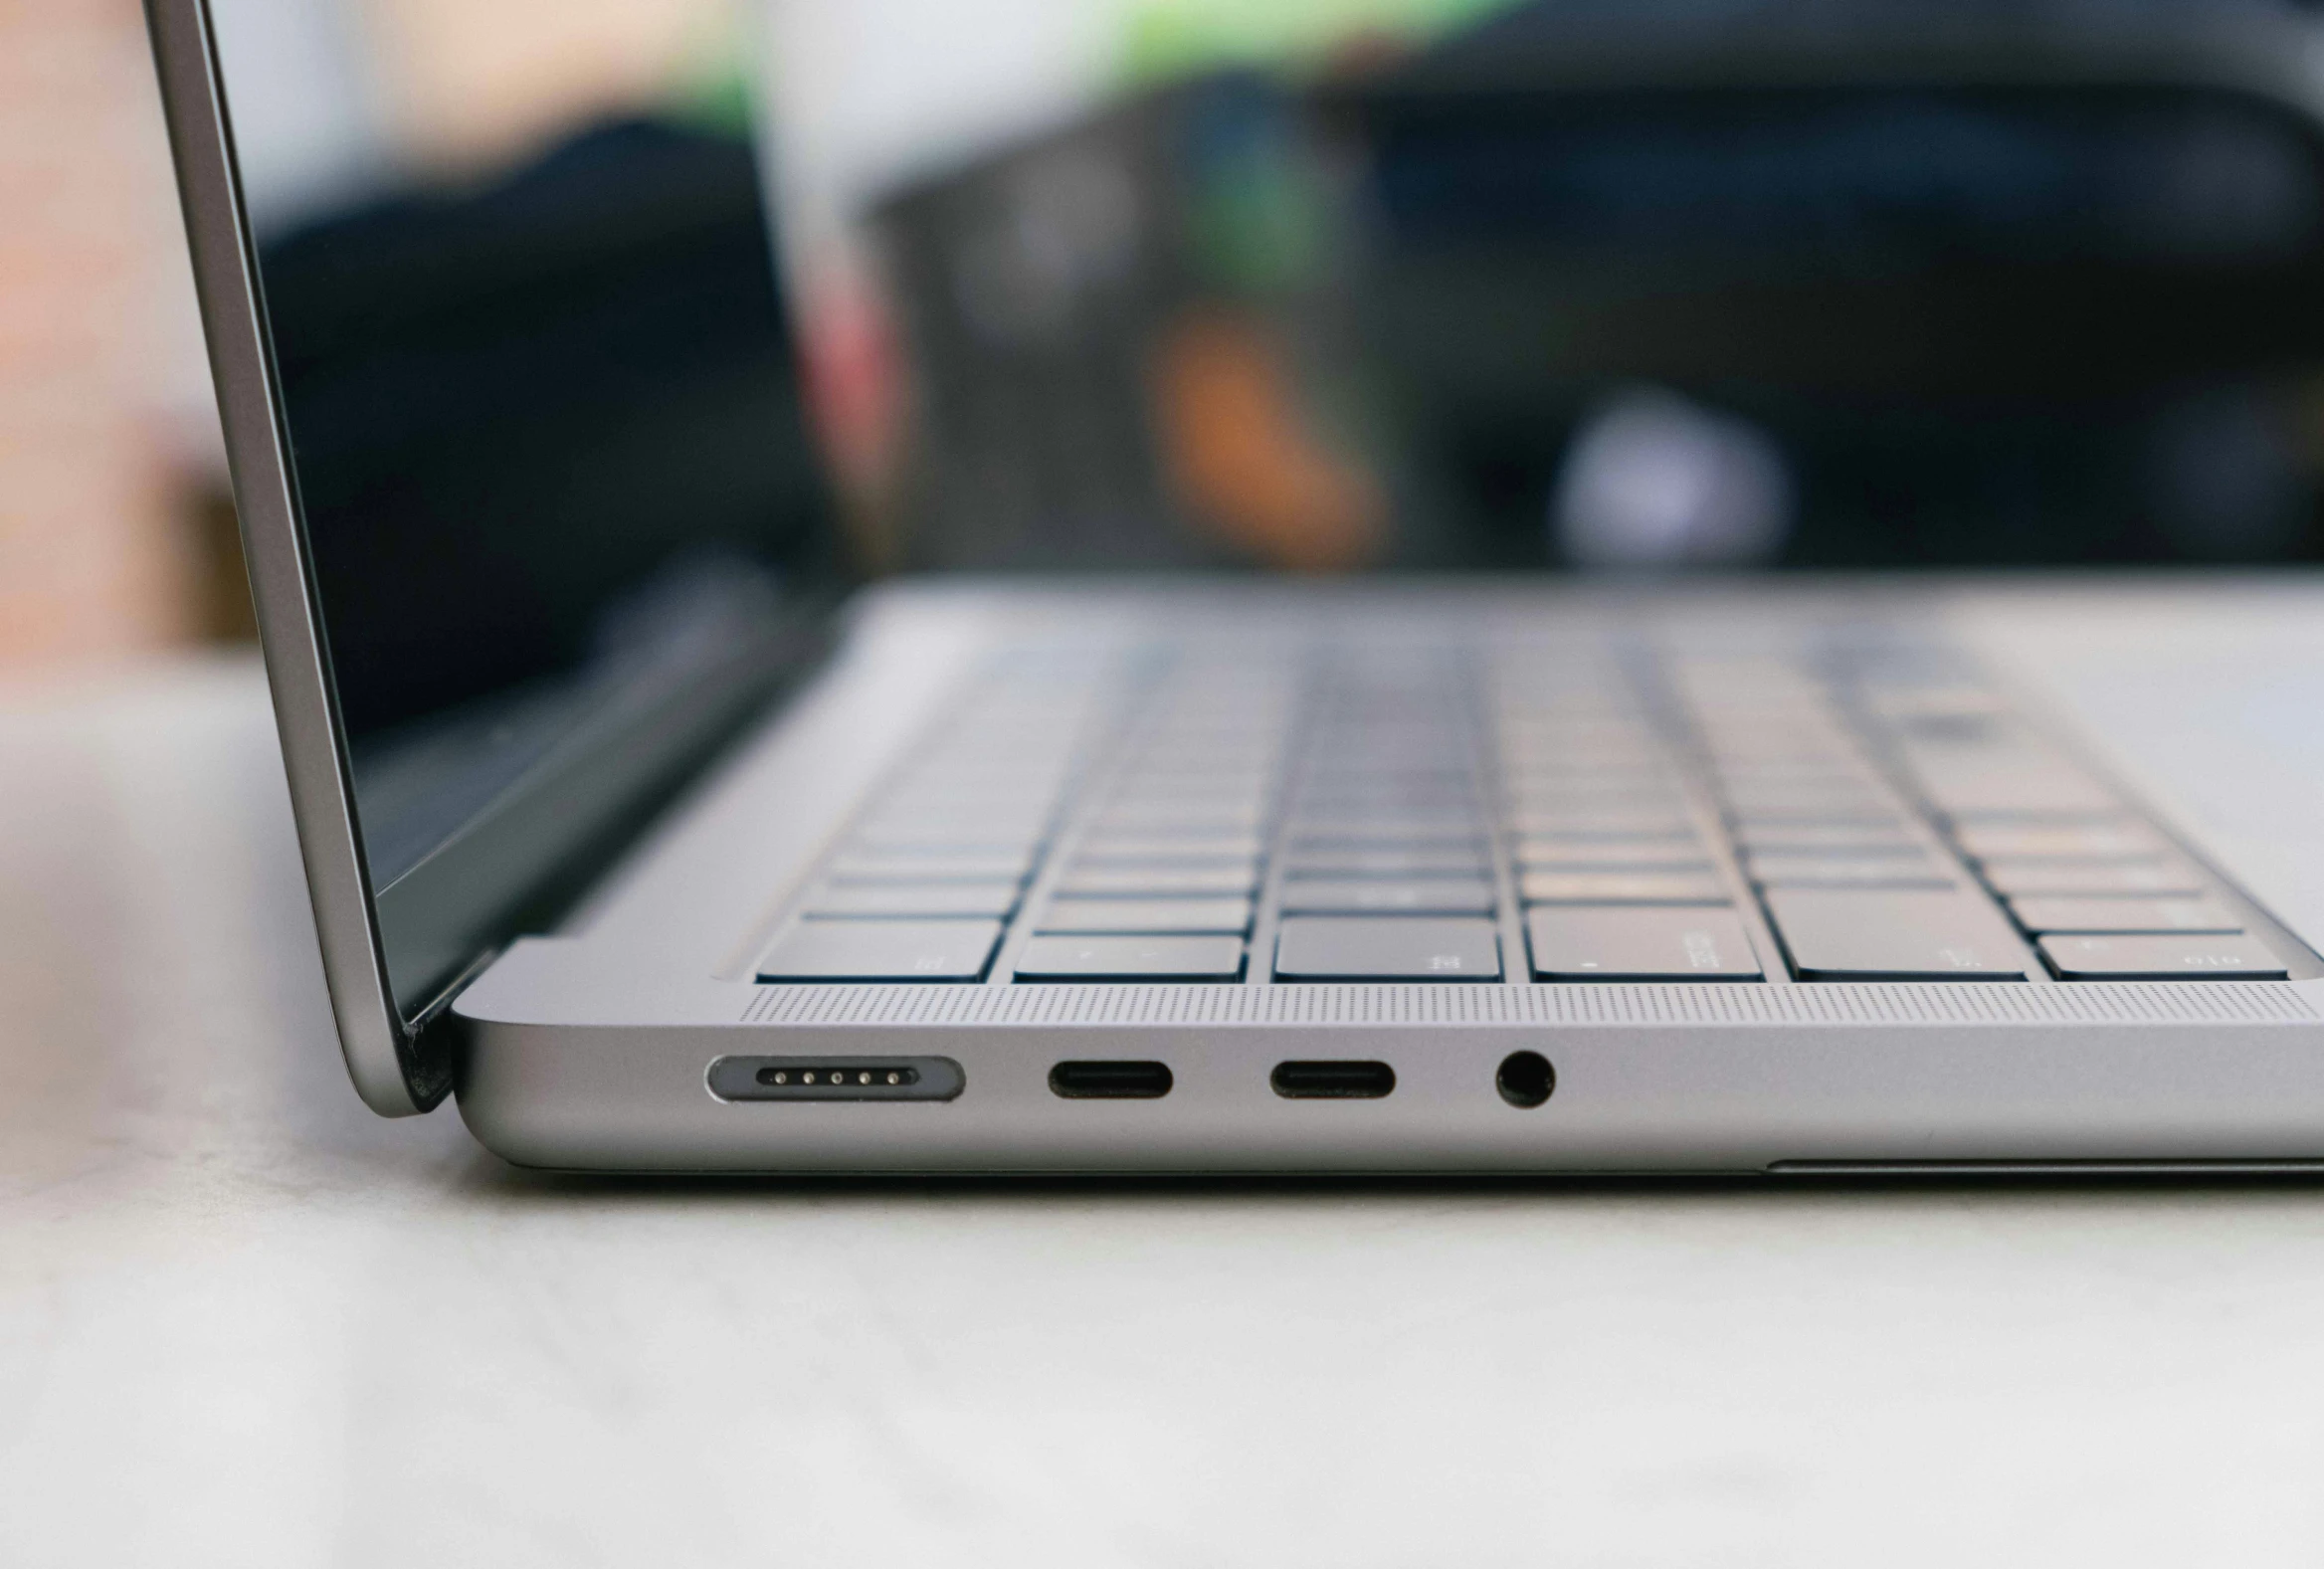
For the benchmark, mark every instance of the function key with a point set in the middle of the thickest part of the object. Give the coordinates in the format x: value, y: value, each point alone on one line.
x: 1902, y: 934
x: 1386, y: 948
x: 881, y: 950
x: 2124, y: 915
x: 1638, y: 943
x: 1131, y: 958
x: 2176, y: 957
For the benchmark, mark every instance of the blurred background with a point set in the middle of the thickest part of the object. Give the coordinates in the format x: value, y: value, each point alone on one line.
x: 1315, y: 285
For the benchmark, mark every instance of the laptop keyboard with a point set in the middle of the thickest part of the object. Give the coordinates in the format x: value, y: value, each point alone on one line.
x: 1514, y: 812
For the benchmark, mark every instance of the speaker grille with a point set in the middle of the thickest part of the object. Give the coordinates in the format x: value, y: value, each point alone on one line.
x: 2221, y: 1002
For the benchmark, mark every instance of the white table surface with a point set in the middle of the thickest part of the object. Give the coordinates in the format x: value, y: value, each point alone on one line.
x: 244, y: 1323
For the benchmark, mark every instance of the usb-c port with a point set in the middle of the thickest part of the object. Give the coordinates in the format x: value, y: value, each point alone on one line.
x: 1110, y: 1080
x: 1334, y: 1080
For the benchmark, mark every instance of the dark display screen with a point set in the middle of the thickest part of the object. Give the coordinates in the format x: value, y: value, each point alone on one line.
x: 551, y: 459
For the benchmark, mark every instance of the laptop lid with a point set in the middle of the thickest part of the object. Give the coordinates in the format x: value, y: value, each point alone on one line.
x: 530, y: 511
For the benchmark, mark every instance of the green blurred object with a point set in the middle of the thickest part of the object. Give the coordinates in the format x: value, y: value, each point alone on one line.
x: 717, y: 88
x: 1167, y: 38
x: 1255, y: 218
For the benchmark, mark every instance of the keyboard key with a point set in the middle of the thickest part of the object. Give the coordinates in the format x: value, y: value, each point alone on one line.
x: 1386, y: 948
x: 1526, y: 772
x: 1390, y: 897
x: 1609, y: 823
x: 2061, y: 841
x: 1744, y: 773
x: 1632, y: 942
x: 1836, y: 839
x: 873, y: 865
x: 1622, y: 887
x: 2124, y: 915
x: 1187, y: 818
x: 925, y: 836
x: 1238, y: 813
x: 1079, y: 959
x: 2009, y: 787
x: 1542, y: 844
x: 2026, y: 878
x: 1807, y: 803
x: 1349, y: 795
x: 1578, y: 795
x: 1105, y: 850
x: 1356, y: 860
x: 2176, y: 957
x: 1224, y: 880
x: 1613, y: 855
x: 1151, y: 786
x: 1911, y: 869
x: 1146, y: 915
x: 1755, y: 819
x: 1465, y: 831
x: 1905, y: 935
x: 893, y: 899
x: 882, y: 950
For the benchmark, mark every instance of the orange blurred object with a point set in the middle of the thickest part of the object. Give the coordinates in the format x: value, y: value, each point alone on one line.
x: 1242, y: 459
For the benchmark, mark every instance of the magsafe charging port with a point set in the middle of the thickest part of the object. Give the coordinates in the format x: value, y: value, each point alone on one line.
x: 836, y: 1078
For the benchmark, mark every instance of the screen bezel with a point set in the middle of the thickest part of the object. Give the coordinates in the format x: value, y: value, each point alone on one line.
x: 401, y: 1055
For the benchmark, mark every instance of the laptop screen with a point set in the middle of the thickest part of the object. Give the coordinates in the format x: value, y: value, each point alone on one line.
x: 549, y: 440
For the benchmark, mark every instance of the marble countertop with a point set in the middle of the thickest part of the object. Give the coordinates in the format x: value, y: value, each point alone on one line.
x: 244, y: 1323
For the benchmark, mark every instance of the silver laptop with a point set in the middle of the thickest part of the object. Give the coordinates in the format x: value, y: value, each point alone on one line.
x: 640, y: 829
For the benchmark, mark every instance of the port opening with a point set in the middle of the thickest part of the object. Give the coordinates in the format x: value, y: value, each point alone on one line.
x: 1525, y: 1078
x: 1106, y: 1080
x: 836, y: 1078
x: 1349, y: 1080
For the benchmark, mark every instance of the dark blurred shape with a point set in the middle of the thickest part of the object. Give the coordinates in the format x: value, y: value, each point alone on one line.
x: 519, y: 405
x: 2003, y: 283
x: 1114, y: 342
x: 222, y: 589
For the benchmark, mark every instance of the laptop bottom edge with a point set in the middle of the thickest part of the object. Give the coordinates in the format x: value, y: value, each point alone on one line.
x: 1875, y: 1100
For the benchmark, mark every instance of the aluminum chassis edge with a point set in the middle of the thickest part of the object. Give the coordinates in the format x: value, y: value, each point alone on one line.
x: 398, y: 1070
